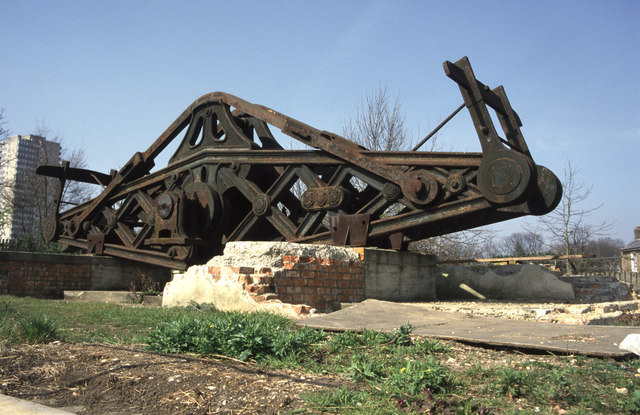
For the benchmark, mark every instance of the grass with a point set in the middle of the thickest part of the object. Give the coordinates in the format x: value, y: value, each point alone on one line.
x: 383, y: 373
x: 87, y: 322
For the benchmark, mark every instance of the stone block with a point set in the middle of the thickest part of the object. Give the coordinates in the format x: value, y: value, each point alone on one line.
x: 511, y: 282
x: 398, y: 275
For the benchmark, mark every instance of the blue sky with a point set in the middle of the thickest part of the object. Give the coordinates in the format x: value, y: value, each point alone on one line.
x: 111, y: 76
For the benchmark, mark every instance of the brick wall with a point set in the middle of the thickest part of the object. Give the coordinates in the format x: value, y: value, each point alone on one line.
x: 305, y: 282
x: 319, y: 282
x: 42, y: 275
x: 48, y: 275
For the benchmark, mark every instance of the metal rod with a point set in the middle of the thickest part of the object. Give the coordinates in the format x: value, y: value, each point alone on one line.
x: 435, y: 130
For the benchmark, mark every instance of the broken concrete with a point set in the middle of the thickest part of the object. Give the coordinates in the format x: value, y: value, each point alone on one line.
x: 591, y: 340
x: 269, y: 254
x: 279, y: 276
x: 511, y: 282
x: 617, y: 312
x: 112, y: 297
x: 597, y: 289
x: 631, y: 343
x: 226, y: 293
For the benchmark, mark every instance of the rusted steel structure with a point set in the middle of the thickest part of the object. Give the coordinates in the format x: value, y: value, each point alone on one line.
x: 230, y: 180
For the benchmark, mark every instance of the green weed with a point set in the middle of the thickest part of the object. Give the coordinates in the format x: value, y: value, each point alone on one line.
x: 418, y: 375
x: 38, y: 329
x: 383, y: 373
x: 346, y: 400
x: 239, y: 335
x: 513, y: 382
x: 363, y: 367
x: 427, y: 346
x: 403, y: 335
x: 632, y: 406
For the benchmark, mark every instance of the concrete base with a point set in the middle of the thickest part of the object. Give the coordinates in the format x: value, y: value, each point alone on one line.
x: 109, y: 273
x: 111, y: 297
x: 196, y: 285
x: 281, y: 276
x: 557, y: 338
x: 511, y: 282
x: 398, y: 275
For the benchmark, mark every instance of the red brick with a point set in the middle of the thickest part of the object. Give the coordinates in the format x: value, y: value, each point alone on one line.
x: 300, y: 282
x: 286, y: 298
x: 308, y: 274
x: 262, y: 279
x: 266, y: 297
x: 214, y: 269
x: 282, y: 281
x: 292, y: 273
x: 289, y: 258
x: 320, y: 274
x: 244, y: 279
x: 317, y: 282
x: 301, y: 309
x: 329, y: 283
x: 257, y: 289
x: 265, y: 271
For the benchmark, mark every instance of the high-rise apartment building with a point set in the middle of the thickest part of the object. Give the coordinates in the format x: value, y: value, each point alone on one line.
x: 22, y: 193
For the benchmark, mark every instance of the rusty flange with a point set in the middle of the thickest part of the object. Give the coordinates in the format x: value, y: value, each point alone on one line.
x: 504, y: 176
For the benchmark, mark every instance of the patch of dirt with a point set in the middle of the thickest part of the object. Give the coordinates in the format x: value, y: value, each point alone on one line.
x: 105, y: 379
x: 110, y: 380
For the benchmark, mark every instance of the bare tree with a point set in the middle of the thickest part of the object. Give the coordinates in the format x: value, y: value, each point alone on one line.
x: 379, y: 123
x: 521, y: 244
x: 455, y: 246
x: 604, y: 247
x: 5, y: 207
x: 74, y: 192
x: 378, y: 126
x: 568, y: 224
x: 33, y: 195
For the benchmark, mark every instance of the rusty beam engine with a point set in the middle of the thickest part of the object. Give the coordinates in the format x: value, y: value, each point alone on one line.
x: 230, y: 180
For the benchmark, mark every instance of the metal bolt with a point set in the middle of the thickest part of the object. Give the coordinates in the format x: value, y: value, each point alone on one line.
x: 416, y: 185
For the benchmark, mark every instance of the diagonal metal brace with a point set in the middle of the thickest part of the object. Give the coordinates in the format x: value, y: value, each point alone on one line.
x: 350, y: 230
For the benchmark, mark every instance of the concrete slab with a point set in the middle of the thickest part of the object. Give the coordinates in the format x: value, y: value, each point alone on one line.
x: 15, y: 406
x: 589, y: 340
x: 110, y: 297
x: 524, y: 282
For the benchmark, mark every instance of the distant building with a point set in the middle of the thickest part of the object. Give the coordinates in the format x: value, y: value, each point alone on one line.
x: 22, y: 193
x: 631, y: 253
